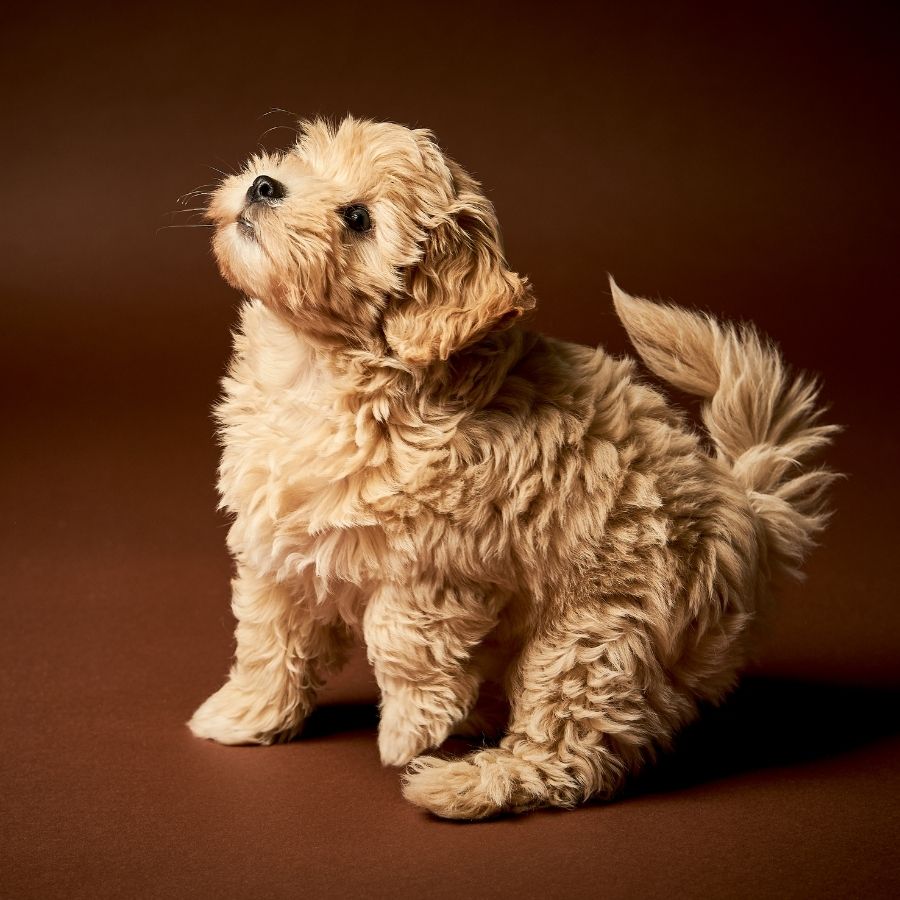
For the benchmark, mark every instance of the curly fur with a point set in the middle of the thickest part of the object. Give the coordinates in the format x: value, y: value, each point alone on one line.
x: 500, y: 514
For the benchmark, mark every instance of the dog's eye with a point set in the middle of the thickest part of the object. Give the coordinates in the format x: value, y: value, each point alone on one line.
x: 356, y: 218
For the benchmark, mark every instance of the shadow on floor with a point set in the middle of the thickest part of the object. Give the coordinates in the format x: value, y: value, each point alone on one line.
x: 769, y: 723
x: 340, y: 718
x: 765, y: 723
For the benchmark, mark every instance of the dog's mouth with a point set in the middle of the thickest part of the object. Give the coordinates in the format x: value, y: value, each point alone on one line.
x: 246, y: 227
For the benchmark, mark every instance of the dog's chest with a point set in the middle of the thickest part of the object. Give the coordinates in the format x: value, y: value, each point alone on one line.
x: 304, y: 472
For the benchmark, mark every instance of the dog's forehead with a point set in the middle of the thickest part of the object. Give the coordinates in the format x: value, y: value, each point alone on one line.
x: 369, y: 154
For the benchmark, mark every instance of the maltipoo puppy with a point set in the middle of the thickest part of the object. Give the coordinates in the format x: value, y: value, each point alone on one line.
x: 498, y: 513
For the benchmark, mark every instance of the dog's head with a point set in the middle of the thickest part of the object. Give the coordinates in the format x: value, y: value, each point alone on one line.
x: 364, y: 232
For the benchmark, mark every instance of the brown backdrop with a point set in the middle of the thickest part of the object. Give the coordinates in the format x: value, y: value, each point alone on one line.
x: 726, y: 157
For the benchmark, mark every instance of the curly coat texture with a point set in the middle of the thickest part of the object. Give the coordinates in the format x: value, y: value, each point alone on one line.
x: 526, y: 534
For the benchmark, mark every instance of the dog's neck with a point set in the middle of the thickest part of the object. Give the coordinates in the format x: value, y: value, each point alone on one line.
x: 271, y: 351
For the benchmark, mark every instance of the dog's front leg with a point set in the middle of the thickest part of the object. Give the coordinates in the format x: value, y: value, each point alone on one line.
x: 282, y: 655
x: 420, y: 637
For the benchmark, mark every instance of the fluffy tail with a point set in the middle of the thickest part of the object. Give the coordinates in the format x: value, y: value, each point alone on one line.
x: 513, y: 777
x: 764, y: 421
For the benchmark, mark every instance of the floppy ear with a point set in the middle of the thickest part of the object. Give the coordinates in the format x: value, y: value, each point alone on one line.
x: 461, y: 288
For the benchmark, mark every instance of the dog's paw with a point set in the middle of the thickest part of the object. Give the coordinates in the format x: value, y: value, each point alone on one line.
x: 401, y: 740
x: 233, y: 716
x: 397, y: 746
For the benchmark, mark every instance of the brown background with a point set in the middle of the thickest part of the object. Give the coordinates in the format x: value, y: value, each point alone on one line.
x: 726, y: 157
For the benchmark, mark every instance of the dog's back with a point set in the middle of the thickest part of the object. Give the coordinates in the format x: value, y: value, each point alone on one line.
x: 670, y: 553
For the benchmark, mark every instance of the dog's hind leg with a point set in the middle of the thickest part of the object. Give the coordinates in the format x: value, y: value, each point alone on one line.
x: 282, y: 655
x: 420, y: 638
x: 590, y: 704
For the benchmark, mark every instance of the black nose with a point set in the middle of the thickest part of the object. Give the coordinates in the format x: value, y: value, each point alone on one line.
x: 265, y: 188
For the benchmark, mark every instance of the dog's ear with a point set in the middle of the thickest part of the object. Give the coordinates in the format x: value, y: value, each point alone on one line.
x: 461, y: 288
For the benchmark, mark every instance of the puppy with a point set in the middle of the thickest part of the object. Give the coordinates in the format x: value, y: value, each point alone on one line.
x: 496, y: 512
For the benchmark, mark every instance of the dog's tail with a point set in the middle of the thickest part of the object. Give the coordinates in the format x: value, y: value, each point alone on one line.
x: 513, y: 777
x: 764, y: 421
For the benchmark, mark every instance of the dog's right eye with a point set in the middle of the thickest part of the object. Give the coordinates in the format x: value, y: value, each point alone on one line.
x: 357, y: 217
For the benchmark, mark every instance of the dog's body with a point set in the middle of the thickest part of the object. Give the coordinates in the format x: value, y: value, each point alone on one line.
x: 496, y: 511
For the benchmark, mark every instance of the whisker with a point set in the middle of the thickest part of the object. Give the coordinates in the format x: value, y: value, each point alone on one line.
x: 275, y: 128
x: 199, y: 192
x: 200, y: 187
x: 231, y: 168
x: 192, y: 209
x: 278, y: 109
x: 165, y: 227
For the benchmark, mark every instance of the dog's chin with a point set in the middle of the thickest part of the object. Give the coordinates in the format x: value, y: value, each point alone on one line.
x: 242, y: 261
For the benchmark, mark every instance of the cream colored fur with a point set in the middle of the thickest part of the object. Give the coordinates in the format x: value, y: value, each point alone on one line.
x: 498, y: 513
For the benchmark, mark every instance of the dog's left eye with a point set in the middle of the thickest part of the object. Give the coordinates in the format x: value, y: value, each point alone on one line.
x: 356, y: 218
